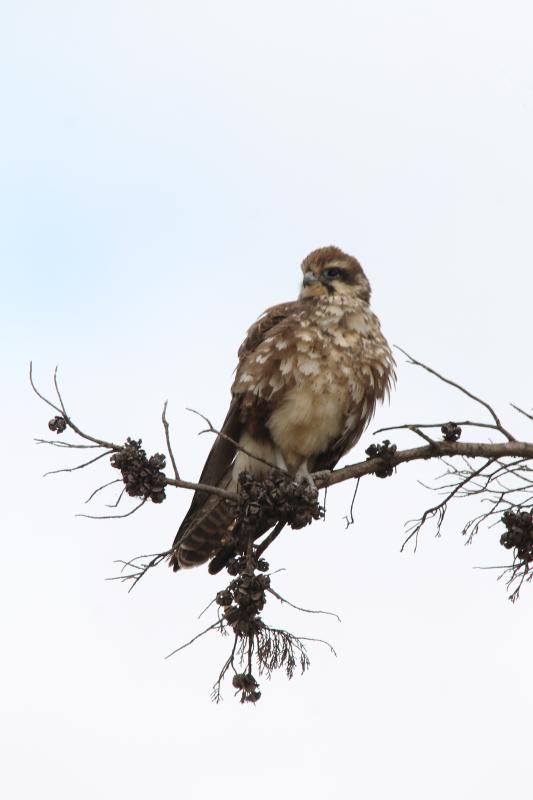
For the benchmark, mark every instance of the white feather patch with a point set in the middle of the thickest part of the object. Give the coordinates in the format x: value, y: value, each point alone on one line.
x: 308, y: 366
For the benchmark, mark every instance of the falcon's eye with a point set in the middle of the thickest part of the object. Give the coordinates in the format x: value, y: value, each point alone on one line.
x: 332, y: 272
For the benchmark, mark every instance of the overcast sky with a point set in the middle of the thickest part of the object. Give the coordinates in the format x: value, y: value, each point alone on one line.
x: 164, y: 168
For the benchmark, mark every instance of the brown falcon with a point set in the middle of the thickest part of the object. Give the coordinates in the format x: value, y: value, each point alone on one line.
x: 309, y: 375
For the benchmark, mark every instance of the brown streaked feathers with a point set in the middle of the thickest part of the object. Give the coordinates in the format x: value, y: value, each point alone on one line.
x: 309, y: 375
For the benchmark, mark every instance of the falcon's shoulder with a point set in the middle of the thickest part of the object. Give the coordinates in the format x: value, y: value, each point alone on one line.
x: 257, y: 332
x: 263, y: 356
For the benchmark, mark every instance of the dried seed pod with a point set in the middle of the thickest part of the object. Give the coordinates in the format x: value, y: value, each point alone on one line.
x: 386, y: 451
x: 224, y: 598
x: 58, y: 424
x: 519, y: 534
x: 451, y: 432
x: 231, y: 614
x: 240, y: 681
x: 233, y: 566
x: 142, y: 476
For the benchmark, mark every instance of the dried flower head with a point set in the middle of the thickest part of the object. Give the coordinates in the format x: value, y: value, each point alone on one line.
x: 142, y: 476
x: 58, y: 424
x: 451, y: 432
x: 386, y: 451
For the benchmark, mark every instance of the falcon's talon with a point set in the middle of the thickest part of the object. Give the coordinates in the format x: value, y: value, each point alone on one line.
x: 304, y: 476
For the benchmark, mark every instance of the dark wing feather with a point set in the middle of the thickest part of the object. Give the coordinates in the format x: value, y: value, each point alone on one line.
x: 268, y: 320
x: 219, y: 460
x: 208, y: 518
x: 216, y: 467
x: 329, y: 458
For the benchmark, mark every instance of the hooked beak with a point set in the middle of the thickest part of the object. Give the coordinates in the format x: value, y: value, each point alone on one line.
x: 310, y: 278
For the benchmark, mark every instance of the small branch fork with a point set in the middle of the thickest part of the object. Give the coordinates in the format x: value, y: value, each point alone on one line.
x: 462, y: 389
x: 111, y: 447
x: 138, y: 567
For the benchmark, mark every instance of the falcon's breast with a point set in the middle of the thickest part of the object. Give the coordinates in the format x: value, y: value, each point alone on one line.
x: 313, y: 381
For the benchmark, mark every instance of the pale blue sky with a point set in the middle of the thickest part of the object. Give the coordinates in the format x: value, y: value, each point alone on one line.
x: 164, y: 167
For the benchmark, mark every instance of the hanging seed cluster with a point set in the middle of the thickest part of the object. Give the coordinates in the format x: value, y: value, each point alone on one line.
x: 248, y: 686
x: 277, y: 498
x: 386, y: 451
x: 242, y: 602
x: 58, y: 424
x: 142, y: 476
x: 451, y: 432
x: 519, y: 534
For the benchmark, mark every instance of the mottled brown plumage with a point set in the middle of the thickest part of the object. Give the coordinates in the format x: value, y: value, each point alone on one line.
x: 309, y: 375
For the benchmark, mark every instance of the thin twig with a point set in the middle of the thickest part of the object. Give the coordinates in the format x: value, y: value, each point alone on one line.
x: 37, y: 392
x: 521, y: 410
x: 238, y: 446
x: 70, y: 423
x: 350, y: 518
x: 79, y: 466
x: 67, y: 445
x: 440, y: 508
x: 208, y: 606
x: 142, y: 569
x: 422, y: 435
x: 105, y: 485
x: 304, y: 639
x: 119, y: 498
x: 183, y: 646
x: 167, y: 437
x: 299, y: 608
x: 115, y: 516
x: 461, y: 389
x: 260, y: 549
x: 411, y: 425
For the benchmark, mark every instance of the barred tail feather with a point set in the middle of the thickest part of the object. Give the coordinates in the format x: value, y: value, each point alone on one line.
x: 203, y: 532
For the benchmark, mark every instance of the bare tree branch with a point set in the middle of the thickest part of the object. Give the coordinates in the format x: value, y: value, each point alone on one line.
x: 412, y: 425
x: 212, y: 627
x: 79, y: 466
x: 521, y: 411
x: 203, y: 487
x: 167, y: 437
x: 350, y: 517
x: 440, y: 508
x: 299, y: 608
x: 114, y: 516
x: 70, y: 423
x: 139, y: 567
x: 104, y: 486
x: 461, y: 389
x: 436, y: 450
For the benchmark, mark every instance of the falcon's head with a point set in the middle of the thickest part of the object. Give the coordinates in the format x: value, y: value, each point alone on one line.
x: 329, y: 271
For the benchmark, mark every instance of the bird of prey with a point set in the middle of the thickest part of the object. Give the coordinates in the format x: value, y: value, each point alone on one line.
x: 309, y: 375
